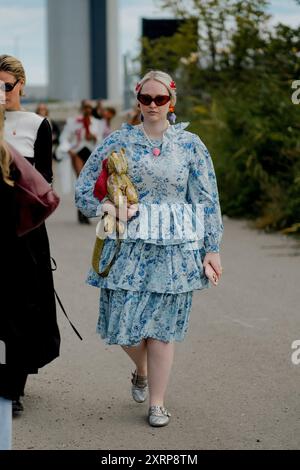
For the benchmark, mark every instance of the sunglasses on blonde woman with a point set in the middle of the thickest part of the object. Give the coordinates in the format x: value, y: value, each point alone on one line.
x: 7, y: 87
x: 159, y: 100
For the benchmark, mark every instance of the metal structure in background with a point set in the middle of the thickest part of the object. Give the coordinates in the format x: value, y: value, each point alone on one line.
x: 98, y: 54
x: 83, y: 50
x: 128, y: 95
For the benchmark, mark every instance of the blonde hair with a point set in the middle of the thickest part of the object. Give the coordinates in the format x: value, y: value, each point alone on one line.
x: 13, y: 66
x: 161, y: 77
x: 5, y: 158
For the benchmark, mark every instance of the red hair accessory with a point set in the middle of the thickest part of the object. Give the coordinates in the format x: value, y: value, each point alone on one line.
x: 173, y: 85
x: 138, y: 86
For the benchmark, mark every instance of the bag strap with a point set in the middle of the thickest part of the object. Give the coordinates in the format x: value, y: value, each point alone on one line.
x: 60, y: 302
x: 106, y: 270
x: 97, y: 252
x: 65, y: 313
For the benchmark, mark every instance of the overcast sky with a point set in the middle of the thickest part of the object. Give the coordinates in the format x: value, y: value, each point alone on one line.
x: 23, y: 29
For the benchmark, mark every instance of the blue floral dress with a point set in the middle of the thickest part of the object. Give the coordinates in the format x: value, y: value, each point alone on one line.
x: 148, y: 291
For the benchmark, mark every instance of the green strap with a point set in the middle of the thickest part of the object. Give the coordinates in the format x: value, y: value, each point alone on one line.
x: 98, y: 248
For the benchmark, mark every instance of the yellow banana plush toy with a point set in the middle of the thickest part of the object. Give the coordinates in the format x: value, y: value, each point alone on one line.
x: 122, y: 193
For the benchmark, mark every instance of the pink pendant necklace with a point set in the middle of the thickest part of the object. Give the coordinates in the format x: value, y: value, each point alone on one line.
x: 14, y: 129
x: 155, y: 150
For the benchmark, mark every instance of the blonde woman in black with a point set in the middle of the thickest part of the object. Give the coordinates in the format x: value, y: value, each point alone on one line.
x: 31, y: 136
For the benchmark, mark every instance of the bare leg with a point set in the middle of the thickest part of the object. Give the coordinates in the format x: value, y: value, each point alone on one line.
x: 77, y: 163
x: 160, y: 359
x: 138, y: 354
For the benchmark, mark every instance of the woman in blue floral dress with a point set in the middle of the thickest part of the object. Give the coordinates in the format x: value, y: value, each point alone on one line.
x: 146, y: 298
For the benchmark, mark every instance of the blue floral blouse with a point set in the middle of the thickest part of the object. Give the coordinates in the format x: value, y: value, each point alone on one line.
x: 180, y: 179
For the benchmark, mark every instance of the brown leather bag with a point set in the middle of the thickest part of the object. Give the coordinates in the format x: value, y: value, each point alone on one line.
x: 35, y: 198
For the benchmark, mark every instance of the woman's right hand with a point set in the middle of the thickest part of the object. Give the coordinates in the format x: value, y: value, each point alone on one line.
x: 132, y: 210
x: 123, y: 214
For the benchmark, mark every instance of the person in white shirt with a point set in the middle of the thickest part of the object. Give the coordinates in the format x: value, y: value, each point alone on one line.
x: 79, y: 137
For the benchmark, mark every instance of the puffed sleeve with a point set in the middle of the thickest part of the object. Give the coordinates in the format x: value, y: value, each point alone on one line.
x: 85, y: 200
x: 43, y: 151
x: 202, y: 189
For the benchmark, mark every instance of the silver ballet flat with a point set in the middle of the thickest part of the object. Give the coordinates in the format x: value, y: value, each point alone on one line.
x: 158, y: 416
x: 139, y: 388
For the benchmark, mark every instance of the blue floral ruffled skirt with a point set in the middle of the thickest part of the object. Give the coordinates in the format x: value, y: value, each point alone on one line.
x: 126, y: 317
x: 148, y: 291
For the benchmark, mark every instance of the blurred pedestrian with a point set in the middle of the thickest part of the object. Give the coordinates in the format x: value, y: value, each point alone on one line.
x: 146, y: 297
x: 31, y: 136
x: 134, y: 116
x: 108, y: 114
x: 79, y: 137
x: 98, y: 110
x: 43, y: 110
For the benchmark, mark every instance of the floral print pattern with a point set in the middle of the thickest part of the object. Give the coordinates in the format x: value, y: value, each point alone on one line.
x: 126, y: 317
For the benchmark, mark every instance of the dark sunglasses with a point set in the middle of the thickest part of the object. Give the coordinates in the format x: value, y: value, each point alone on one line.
x: 159, y: 100
x: 7, y: 87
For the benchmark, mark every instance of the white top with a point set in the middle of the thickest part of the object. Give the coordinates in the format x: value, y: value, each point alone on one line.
x: 73, y: 136
x: 20, y: 131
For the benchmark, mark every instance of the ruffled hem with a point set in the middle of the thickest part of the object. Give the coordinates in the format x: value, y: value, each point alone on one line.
x: 146, y: 267
x: 125, y: 318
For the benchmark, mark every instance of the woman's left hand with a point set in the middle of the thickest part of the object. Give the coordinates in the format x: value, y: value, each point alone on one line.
x: 212, y: 266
